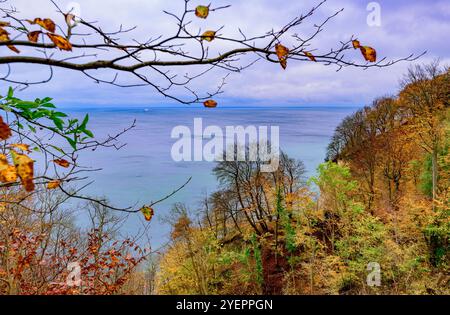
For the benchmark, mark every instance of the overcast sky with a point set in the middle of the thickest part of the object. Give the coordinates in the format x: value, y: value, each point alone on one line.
x: 407, y: 26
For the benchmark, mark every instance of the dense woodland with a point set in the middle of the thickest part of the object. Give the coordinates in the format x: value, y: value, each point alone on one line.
x: 382, y: 197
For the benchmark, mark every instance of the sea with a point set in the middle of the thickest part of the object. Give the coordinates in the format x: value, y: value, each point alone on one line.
x: 142, y: 170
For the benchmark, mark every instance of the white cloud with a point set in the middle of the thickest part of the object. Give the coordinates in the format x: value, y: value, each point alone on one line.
x: 407, y: 27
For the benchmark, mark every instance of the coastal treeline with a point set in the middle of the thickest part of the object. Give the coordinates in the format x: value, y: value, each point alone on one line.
x: 374, y: 220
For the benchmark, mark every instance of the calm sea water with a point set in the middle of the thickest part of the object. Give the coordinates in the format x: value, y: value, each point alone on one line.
x: 143, y: 170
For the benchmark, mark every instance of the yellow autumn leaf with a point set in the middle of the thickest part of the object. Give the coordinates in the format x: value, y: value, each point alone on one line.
x: 369, y: 53
x: 282, y: 53
x: 25, y: 169
x: 208, y: 36
x: 147, y: 212
x: 310, y: 56
x: 210, y: 104
x: 21, y: 146
x: 9, y: 174
x: 4, y: 37
x: 3, y: 163
x: 47, y: 24
x: 60, y: 42
x: 202, y: 11
x: 54, y: 184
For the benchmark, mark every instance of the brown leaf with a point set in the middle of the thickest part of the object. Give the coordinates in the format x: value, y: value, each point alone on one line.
x: 5, y: 132
x: 356, y: 44
x: 48, y: 24
x: 60, y: 42
x: 282, y: 53
x: 13, y: 48
x: 62, y: 163
x: 369, y: 53
x: 147, y: 212
x: 310, y: 56
x: 202, y: 11
x: 54, y: 184
x: 4, y: 24
x: 70, y: 19
x: 208, y: 36
x: 210, y: 104
x: 34, y: 36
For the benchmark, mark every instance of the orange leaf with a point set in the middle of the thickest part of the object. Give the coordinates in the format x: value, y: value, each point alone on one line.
x: 210, y: 103
x: 48, y: 24
x: 54, y: 184
x: 208, y: 36
x: 147, y: 212
x: 356, y: 44
x: 62, y: 163
x: 369, y: 53
x: 282, y: 53
x: 4, y: 24
x: 34, y: 36
x: 202, y: 11
x: 60, y: 42
x: 310, y: 56
x: 5, y: 132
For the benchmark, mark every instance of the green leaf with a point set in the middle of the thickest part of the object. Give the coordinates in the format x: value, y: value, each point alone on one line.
x: 32, y: 128
x: 10, y: 92
x: 26, y: 105
x: 88, y: 133
x: 84, y: 123
x: 59, y: 114
x: 58, y: 123
x: 58, y: 148
x: 72, y: 142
